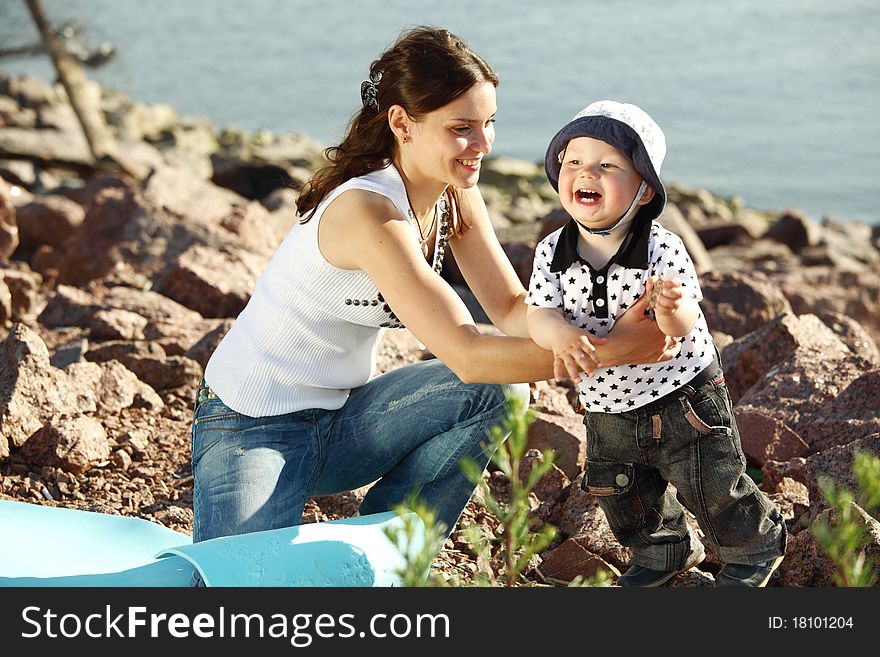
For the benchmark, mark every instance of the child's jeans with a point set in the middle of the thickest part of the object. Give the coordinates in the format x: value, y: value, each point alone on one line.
x: 690, y: 440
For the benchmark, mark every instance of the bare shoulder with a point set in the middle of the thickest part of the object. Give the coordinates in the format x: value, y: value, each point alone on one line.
x: 354, y: 205
x: 348, y: 223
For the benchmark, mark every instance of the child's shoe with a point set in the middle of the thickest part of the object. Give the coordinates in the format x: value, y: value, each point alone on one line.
x: 645, y: 577
x: 738, y: 574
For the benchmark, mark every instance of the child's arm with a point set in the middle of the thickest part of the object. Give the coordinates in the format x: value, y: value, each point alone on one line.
x: 676, y: 311
x: 572, y: 350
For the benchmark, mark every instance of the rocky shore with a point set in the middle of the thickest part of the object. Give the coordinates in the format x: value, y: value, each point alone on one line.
x: 115, y: 288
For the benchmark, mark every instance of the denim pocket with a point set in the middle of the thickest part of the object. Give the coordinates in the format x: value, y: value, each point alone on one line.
x: 212, y: 421
x: 706, y: 411
x: 213, y: 411
x: 603, y: 479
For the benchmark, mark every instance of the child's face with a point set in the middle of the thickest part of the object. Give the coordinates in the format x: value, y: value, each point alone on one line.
x: 597, y: 183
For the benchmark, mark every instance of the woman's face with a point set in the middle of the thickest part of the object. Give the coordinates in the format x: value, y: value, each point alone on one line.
x: 448, y: 144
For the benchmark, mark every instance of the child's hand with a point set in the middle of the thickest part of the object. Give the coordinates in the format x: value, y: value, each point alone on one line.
x: 665, y: 295
x: 572, y: 354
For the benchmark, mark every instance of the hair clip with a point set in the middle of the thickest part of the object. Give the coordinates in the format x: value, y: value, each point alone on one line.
x: 370, y: 91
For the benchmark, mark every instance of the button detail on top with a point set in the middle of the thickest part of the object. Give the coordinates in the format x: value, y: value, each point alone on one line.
x: 600, y: 279
x: 600, y: 302
x: 621, y: 480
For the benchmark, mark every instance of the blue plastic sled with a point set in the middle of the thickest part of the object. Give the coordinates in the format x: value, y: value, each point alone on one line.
x: 53, y: 546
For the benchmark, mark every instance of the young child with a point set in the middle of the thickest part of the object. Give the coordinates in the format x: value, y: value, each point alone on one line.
x: 646, y: 425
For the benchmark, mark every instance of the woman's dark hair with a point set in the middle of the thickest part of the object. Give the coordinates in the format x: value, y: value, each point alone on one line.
x: 424, y: 70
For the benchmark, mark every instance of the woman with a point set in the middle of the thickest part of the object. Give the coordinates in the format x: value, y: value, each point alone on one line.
x: 288, y: 408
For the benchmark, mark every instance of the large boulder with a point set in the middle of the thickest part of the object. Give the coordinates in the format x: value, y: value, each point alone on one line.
x: 564, y: 435
x: 802, y: 388
x: 97, y: 246
x: 836, y: 463
x: 24, y: 289
x: 211, y: 282
x: 31, y: 390
x: 853, y: 414
x: 72, y: 443
x: 766, y: 438
x: 794, y: 229
x: 819, y: 290
x: 738, y: 303
x: 48, y: 220
x: 748, y: 360
x: 673, y: 220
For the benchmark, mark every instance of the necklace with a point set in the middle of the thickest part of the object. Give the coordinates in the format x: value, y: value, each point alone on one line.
x: 423, y: 239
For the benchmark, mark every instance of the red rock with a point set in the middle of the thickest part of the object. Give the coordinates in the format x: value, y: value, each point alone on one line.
x: 211, y: 282
x: 95, y: 248
x: 72, y: 443
x: 799, y: 390
x: 774, y: 472
x: 572, y: 559
x: 564, y: 434
x: 116, y: 324
x: 549, y: 487
x: 48, y: 220
x: 24, y: 288
x: 853, y: 335
x: 836, y: 463
x: 184, y: 194
x: 820, y: 290
x: 805, y: 563
x: 765, y: 438
x: 750, y: 358
x: 5, y: 303
x: 738, y: 303
x: 794, y: 229
x: 580, y: 517
x: 201, y: 351
x: 31, y: 390
x: 165, y: 373
x: 853, y: 414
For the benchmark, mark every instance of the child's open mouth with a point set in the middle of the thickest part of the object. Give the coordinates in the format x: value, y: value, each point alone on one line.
x: 587, y: 196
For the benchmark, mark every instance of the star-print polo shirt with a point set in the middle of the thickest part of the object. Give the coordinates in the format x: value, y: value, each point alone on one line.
x: 593, y: 299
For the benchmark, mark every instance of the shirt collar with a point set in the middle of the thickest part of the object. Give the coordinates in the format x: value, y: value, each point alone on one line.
x: 632, y: 254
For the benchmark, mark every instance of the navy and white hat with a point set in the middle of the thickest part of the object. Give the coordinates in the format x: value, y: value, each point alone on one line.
x: 627, y: 128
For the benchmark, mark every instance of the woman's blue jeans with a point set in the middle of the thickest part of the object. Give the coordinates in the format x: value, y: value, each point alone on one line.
x: 407, y: 428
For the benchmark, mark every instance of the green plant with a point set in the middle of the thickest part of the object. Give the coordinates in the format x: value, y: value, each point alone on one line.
x: 601, y: 578
x: 515, y: 539
x: 844, y: 539
x: 418, y: 539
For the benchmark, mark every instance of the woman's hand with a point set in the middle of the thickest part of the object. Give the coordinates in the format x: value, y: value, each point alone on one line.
x: 573, y: 353
x: 636, y: 339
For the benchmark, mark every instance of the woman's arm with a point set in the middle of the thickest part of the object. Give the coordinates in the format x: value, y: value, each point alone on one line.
x: 487, y: 269
x: 490, y: 276
x: 363, y: 230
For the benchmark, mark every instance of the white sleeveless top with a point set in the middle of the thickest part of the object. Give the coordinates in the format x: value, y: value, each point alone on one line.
x: 310, y: 331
